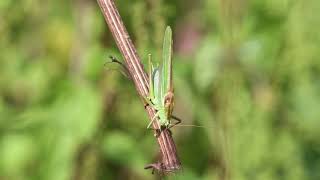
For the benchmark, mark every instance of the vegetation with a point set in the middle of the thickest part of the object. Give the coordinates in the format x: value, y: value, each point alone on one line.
x: 247, y: 70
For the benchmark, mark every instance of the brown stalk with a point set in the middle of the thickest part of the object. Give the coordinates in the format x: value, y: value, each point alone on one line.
x: 170, y: 161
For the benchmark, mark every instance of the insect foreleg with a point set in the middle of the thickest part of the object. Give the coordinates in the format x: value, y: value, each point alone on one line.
x: 153, y: 118
x: 147, y: 102
x: 158, y: 131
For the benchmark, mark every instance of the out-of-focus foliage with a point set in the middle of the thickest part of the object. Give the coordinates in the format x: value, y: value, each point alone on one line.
x: 247, y: 70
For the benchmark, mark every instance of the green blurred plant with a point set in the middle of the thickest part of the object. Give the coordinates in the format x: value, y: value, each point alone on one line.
x: 247, y: 70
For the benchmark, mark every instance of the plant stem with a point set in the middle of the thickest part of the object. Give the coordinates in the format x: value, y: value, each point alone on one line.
x: 170, y: 160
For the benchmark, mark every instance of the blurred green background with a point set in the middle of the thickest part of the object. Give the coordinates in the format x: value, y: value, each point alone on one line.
x: 247, y: 70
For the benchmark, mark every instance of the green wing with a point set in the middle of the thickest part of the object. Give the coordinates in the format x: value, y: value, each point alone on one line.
x: 156, y: 86
x: 166, y: 67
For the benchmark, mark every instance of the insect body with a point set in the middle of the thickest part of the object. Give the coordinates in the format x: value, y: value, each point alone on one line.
x: 161, y: 94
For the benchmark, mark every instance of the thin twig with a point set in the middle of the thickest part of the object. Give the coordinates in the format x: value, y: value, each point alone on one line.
x: 170, y: 161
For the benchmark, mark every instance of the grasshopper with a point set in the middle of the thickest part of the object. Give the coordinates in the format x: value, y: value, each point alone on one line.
x: 161, y: 95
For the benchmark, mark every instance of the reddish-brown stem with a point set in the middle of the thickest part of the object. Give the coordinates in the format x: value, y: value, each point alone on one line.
x: 170, y: 160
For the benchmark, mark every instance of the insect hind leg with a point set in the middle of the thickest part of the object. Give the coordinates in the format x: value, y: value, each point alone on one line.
x: 124, y: 71
x: 178, y: 121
